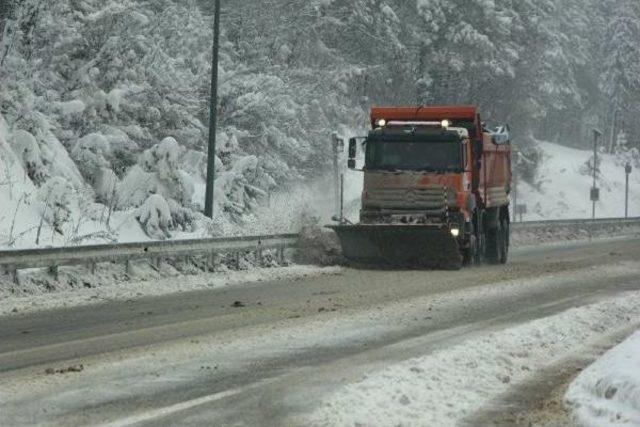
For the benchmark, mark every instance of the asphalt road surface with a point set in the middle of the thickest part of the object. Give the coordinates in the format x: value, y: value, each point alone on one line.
x: 266, y: 353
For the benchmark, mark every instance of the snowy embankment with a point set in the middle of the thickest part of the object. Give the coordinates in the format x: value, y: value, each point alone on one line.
x: 106, y: 285
x: 564, y: 183
x: 608, y: 392
x: 447, y: 386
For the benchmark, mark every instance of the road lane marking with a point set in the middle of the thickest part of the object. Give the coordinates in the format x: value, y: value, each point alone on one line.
x: 179, y: 407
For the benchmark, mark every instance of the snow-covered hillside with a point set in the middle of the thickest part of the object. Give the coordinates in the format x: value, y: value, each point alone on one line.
x: 563, y: 184
x: 46, y: 201
x: 61, y: 211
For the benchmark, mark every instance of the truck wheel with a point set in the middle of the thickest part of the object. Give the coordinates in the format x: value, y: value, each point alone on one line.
x: 454, y: 264
x: 469, y: 254
x: 480, y: 250
x: 504, y: 241
x: 479, y: 240
x: 494, y: 244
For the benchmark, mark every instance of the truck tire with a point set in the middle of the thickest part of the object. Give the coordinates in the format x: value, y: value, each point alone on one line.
x: 469, y: 254
x: 497, y: 237
x: 505, y: 241
x: 480, y: 241
x: 493, y: 245
x: 452, y: 265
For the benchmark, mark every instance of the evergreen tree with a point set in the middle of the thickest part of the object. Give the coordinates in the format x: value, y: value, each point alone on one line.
x: 620, y: 79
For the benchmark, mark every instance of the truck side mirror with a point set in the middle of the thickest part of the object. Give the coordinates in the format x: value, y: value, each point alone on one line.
x: 501, y: 136
x: 353, y: 148
x: 353, y: 151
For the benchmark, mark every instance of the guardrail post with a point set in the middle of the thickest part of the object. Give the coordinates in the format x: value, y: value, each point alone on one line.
x: 53, y: 270
x: 16, y: 278
x: 237, y: 255
x: 211, y: 262
x: 281, y: 255
x: 92, y: 266
x: 127, y: 267
x: 158, y: 263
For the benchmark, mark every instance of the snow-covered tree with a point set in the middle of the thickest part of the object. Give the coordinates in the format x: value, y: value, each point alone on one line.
x: 620, y: 79
x: 155, y: 217
x: 625, y: 154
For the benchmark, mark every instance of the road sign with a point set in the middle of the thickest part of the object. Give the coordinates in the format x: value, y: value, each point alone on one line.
x: 521, y: 210
x: 595, y: 194
x: 628, y: 169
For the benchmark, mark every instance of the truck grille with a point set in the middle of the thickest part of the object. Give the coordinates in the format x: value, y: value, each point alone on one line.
x: 415, y: 199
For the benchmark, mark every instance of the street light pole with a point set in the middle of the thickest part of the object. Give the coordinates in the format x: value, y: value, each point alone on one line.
x: 213, y: 115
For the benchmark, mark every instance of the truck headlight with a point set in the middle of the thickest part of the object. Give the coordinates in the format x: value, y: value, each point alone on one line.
x: 455, y: 232
x: 381, y: 123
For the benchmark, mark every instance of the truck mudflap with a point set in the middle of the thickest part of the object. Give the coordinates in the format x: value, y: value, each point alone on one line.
x: 421, y: 246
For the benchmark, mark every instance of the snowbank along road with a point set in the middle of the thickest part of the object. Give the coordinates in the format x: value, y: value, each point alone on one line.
x: 363, y: 346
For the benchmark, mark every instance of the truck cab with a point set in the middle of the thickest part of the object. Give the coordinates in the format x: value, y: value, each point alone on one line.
x: 417, y: 175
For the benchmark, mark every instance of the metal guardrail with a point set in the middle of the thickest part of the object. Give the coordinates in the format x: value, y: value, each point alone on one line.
x: 587, y: 223
x: 52, y: 258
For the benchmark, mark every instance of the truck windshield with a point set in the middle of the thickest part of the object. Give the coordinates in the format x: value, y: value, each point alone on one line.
x: 414, y: 155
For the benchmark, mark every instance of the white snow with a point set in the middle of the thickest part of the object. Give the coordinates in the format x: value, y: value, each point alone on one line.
x: 136, y: 186
x: 115, y: 98
x: 75, y: 106
x: 152, y: 284
x: 444, y: 387
x: 564, y: 186
x: 155, y: 217
x: 90, y: 152
x: 608, y: 392
x: 17, y: 192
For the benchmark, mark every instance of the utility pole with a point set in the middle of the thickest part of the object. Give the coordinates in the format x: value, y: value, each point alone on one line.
x: 213, y: 115
x: 627, y: 169
x: 614, y: 122
x: 595, y: 192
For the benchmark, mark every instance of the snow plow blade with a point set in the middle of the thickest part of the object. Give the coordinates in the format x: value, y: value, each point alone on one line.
x: 421, y: 246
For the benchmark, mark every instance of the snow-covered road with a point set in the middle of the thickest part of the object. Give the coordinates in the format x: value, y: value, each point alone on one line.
x: 372, y: 347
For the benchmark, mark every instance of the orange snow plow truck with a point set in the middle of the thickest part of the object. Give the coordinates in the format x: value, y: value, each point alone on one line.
x: 436, y: 192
